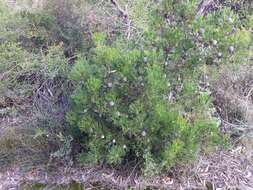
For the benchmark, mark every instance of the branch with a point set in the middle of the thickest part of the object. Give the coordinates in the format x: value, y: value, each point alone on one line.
x: 125, y: 15
x: 121, y: 10
x: 207, y: 6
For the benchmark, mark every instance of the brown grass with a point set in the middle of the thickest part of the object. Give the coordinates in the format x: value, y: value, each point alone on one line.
x: 222, y: 170
x: 233, y: 97
x: 19, y: 147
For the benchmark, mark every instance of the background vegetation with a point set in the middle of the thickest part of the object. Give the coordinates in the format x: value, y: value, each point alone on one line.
x: 147, y: 84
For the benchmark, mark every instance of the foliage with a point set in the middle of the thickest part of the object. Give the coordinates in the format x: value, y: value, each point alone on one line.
x: 144, y: 102
x: 121, y: 107
x: 55, y: 24
x: 32, y: 84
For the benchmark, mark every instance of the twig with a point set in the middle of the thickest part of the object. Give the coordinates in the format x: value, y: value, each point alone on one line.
x: 7, y: 72
x: 132, y: 172
x: 125, y: 15
x: 121, y: 10
x: 207, y: 6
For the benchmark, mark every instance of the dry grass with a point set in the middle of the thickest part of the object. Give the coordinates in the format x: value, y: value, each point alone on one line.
x: 20, y: 147
x: 233, y: 94
x: 222, y: 170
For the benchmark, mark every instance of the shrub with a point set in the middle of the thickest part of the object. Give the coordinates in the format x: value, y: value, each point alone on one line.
x: 24, y: 73
x: 191, y: 40
x: 12, y: 25
x: 31, y: 85
x: 120, y: 106
x: 32, y: 105
x: 55, y: 24
x: 150, y: 102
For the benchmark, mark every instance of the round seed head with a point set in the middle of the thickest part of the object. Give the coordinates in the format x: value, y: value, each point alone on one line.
x: 215, y: 42
x: 109, y: 85
x: 230, y: 20
x: 219, y: 55
x: 231, y: 49
x: 143, y: 133
x: 111, y: 103
x: 201, y: 30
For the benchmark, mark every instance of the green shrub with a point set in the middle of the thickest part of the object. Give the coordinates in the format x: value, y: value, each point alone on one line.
x: 11, y: 24
x: 120, y: 106
x: 56, y: 23
x: 25, y: 72
x: 144, y: 102
x: 220, y: 37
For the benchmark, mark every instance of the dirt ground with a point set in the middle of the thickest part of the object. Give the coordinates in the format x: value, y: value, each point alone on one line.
x: 231, y: 169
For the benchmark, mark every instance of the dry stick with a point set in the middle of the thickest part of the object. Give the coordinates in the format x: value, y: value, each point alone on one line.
x: 125, y: 15
x: 122, y: 11
x: 206, y: 6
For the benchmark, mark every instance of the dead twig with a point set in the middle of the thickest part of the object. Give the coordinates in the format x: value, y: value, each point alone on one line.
x: 207, y: 6
x: 124, y: 13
